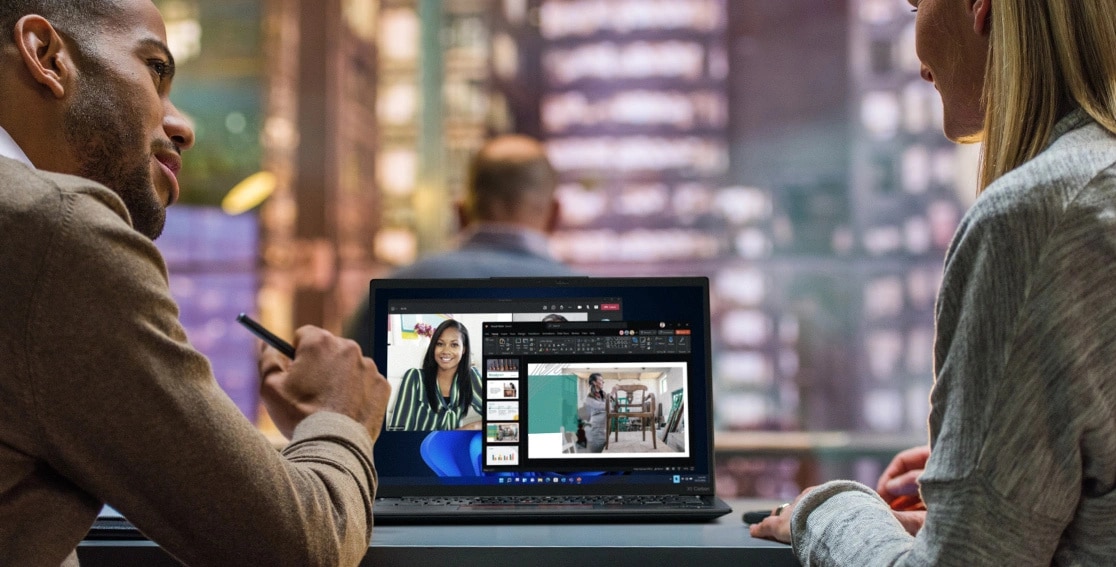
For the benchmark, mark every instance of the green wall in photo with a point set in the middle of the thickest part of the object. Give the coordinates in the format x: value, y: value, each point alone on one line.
x: 552, y: 403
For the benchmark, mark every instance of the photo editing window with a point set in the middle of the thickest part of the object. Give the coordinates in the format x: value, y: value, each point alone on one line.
x: 613, y: 394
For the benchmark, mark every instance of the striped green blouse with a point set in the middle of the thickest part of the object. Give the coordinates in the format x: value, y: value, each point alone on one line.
x: 413, y: 413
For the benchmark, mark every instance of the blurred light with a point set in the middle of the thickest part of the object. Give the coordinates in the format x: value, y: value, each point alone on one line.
x: 878, y: 11
x: 399, y: 34
x: 883, y: 410
x: 505, y: 56
x: 882, y: 240
x: 396, y: 170
x: 880, y: 113
x: 396, y: 246
x: 745, y: 286
x: 752, y: 243
x: 742, y: 410
x: 690, y: 200
x: 642, y: 199
x: 638, y: 60
x: 580, y: 206
x: 585, y: 17
x: 745, y: 368
x: 235, y: 122
x: 515, y: 11
x: 280, y: 134
x: 639, y: 153
x: 249, y: 193
x: 741, y: 205
x: 916, y: 232
x: 744, y: 327
x: 183, y: 29
x: 916, y: 169
x: 884, y: 348
x: 397, y: 104
x: 883, y: 297
x: 360, y: 15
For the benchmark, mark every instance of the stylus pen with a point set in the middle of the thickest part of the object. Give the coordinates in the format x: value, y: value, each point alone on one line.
x: 267, y: 336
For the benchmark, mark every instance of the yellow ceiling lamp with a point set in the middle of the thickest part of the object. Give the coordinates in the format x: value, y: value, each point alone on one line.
x: 249, y: 193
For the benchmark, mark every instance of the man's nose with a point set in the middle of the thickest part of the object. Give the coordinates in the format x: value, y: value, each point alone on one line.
x: 178, y: 128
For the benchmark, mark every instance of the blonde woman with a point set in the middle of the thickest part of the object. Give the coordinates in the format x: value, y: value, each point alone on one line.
x: 1021, y: 464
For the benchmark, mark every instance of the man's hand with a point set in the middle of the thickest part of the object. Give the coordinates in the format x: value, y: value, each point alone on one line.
x: 328, y: 374
x: 898, y: 485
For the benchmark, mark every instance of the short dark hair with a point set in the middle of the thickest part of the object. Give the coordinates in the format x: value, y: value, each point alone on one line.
x: 80, y: 20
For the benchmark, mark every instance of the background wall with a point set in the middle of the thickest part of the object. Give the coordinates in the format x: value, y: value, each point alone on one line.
x: 787, y: 149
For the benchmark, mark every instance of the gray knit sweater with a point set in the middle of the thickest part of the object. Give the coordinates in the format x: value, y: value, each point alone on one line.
x: 1023, y: 420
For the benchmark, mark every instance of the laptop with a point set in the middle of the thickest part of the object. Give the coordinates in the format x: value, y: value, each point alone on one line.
x: 537, y: 442
x: 535, y: 342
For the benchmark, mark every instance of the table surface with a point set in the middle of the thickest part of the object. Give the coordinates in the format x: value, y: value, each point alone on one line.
x: 725, y: 541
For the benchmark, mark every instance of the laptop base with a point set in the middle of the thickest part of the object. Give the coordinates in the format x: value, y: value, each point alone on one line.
x: 409, y: 511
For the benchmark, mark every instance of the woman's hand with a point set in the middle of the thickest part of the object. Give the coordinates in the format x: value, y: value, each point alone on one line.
x: 777, y: 525
x: 912, y: 521
x: 898, y: 485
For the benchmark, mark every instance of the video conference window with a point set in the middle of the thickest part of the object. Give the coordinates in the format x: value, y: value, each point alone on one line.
x: 435, y: 372
x: 606, y: 410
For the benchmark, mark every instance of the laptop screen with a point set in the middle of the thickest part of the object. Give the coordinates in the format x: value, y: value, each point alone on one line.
x: 544, y: 386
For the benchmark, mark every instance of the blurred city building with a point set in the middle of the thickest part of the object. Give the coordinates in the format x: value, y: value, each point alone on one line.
x: 788, y: 149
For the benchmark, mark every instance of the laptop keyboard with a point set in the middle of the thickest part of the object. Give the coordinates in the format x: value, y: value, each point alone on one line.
x: 475, y: 502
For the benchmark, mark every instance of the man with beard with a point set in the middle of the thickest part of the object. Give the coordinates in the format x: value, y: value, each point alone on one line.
x: 103, y: 398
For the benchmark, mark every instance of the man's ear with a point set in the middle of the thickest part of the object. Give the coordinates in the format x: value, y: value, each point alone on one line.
x: 982, y: 14
x: 44, y: 54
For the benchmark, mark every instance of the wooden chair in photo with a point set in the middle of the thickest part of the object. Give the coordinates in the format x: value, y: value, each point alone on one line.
x: 636, y: 405
x: 569, y: 440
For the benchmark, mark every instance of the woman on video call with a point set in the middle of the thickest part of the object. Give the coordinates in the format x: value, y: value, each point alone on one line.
x: 440, y: 394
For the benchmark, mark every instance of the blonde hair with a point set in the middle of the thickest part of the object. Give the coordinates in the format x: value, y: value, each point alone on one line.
x: 1046, y: 57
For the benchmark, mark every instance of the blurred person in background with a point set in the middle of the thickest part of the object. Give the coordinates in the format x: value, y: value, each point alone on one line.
x: 1021, y: 464
x: 508, y: 212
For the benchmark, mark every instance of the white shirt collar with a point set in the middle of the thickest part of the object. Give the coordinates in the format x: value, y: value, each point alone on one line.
x: 10, y: 149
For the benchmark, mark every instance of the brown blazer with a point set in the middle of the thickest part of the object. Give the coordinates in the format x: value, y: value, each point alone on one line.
x: 102, y: 399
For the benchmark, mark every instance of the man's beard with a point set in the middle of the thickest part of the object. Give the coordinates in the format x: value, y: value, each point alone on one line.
x: 105, y: 130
